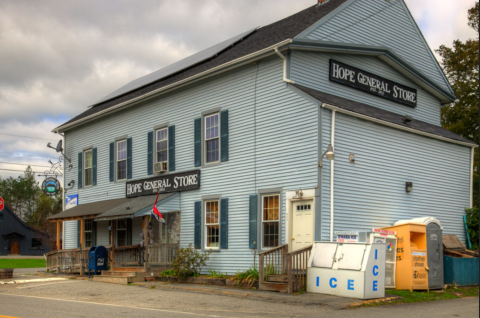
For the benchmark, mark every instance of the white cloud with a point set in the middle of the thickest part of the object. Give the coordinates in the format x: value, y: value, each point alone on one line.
x: 57, y: 58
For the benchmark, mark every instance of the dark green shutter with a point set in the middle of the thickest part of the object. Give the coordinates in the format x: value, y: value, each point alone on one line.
x: 253, y: 221
x: 94, y: 166
x: 171, y: 148
x: 198, y: 225
x: 224, y: 135
x: 198, y: 142
x: 150, y: 153
x: 129, y: 158
x: 94, y: 233
x: 79, y: 227
x: 80, y: 167
x: 223, y: 223
x: 112, y: 168
x: 129, y: 231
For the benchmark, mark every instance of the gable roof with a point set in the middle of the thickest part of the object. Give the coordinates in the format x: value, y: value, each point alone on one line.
x: 262, y: 38
x: 384, y: 115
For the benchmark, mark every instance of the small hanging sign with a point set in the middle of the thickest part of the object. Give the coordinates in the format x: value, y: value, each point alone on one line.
x: 51, y: 186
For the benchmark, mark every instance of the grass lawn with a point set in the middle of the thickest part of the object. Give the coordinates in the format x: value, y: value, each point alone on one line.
x: 21, y: 263
x: 424, y: 296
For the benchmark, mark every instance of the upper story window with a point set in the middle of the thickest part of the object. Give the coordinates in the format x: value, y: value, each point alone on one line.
x: 122, y: 160
x: 212, y: 139
x: 88, y: 168
x: 162, y: 145
x: 212, y: 224
x: 270, y: 220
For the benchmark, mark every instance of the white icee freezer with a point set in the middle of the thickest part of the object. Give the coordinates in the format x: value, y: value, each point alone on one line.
x: 347, y: 269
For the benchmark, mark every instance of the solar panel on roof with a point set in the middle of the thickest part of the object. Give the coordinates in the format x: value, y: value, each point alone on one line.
x: 177, y: 66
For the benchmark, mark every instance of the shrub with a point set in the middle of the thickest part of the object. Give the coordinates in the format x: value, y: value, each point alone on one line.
x: 167, y: 273
x: 472, y: 223
x: 189, y: 262
x: 215, y: 274
x: 247, y: 277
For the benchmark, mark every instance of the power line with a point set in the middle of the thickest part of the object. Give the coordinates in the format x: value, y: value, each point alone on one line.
x: 23, y: 164
x: 26, y: 137
x: 19, y: 170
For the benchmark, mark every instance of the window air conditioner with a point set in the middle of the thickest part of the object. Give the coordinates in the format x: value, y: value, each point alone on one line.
x: 160, y: 167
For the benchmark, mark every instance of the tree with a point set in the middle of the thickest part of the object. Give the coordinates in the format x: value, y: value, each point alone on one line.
x: 19, y: 194
x: 460, y: 64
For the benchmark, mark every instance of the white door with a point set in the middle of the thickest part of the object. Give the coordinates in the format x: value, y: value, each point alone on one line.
x: 303, y: 222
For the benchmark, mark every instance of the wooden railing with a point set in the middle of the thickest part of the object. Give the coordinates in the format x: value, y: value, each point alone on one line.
x: 162, y: 254
x: 68, y: 261
x: 297, y: 269
x: 272, y: 262
x: 128, y: 255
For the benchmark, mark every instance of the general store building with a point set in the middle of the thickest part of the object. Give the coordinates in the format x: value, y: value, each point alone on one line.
x: 239, y: 129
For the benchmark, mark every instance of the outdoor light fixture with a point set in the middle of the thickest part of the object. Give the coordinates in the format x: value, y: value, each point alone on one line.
x: 408, y: 187
x: 330, y: 155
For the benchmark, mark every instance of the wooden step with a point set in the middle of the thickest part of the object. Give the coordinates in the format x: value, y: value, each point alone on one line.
x: 277, y: 278
x: 119, y: 279
x: 277, y: 287
x: 124, y: 274
x: 128, y: 269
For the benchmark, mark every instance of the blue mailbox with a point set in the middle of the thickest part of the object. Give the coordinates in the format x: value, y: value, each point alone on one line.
x: 97, y: 259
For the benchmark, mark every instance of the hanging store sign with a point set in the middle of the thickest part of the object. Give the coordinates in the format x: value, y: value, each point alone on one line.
x: 51, y: 186
x: 169, y: 183
x: 371, y: 83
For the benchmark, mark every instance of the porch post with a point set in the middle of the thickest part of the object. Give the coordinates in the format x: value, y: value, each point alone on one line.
x: 82, y: 233
x: 145, y: 240
x: 112, y: 241
x: 59, y: 226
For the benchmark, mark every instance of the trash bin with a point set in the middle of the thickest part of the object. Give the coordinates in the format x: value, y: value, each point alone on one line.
x: 97, y: 259
x: 412, y: 261
x: 347, y: 269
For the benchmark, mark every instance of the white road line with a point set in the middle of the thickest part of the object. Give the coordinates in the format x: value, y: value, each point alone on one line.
x: 31, y: 286
x: 111, y: 305
x: 24, y: 281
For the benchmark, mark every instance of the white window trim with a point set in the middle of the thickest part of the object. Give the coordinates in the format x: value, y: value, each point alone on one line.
x: 270, y: 221
x: 205, y: 139
x: 85, y: 169
x: 117, y: 161
x: 206, y: 224
x: 156, y: 144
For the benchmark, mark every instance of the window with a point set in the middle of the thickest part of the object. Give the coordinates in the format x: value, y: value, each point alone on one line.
x: 88, y: 168
x: 212, y: 140
x: 212, y: 227
x: 121, y: 233
x: 88, y: 232
x: 122, y: 160
x: 270, y: 220
x: 37, y: 243
x: 162, y: 145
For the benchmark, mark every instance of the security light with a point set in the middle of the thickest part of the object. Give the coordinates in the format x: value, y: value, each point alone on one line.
x: 329, y: 153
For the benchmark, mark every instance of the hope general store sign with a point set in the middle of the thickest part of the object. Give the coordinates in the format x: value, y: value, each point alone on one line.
x: 168, y: 183
x: 371, y: 83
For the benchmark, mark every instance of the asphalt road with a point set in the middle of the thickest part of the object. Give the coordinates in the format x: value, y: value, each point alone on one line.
x: 74, y: 298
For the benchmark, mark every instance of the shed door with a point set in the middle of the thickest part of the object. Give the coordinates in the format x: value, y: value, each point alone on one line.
x: 435, y: 256
x: 15, y: 247
x: 303, y: 224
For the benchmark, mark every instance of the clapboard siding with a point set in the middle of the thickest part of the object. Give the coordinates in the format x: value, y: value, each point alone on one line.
x: 284, y: 156
x: 137, y: 230
x: 382, y: 23
x: 371, y: 192
x: 70, y: 235
x: 102, y: 233
x: 311, y: 69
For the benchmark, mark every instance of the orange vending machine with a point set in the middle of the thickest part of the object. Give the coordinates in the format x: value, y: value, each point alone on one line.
x: 412, y: 266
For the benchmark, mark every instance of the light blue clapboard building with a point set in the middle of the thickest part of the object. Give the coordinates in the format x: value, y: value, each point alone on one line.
x: 233, y: 137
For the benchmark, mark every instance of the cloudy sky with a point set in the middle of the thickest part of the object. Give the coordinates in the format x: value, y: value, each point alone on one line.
x: 58, y: 57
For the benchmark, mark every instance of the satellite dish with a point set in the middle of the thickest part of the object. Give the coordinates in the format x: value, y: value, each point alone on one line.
x: 59, y: 146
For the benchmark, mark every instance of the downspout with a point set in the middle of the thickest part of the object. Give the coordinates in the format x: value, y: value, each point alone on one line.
x: 331, y: 176
x: 471, y: 177
x: 285, y: 79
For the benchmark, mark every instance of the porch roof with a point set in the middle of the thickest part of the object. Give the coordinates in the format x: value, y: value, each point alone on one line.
x: 132, y: 206
x: 88, y: 209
